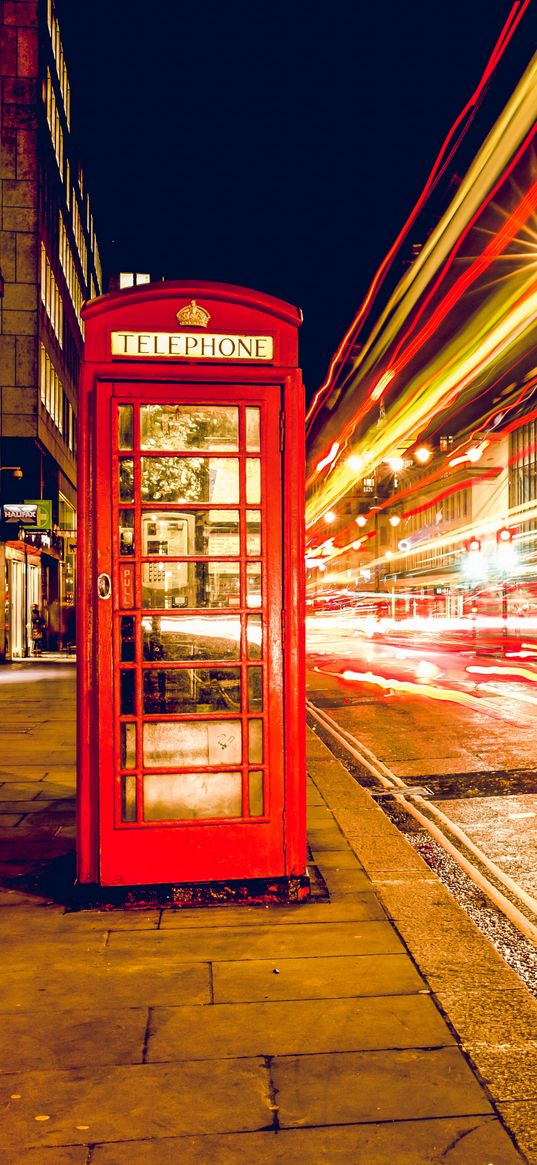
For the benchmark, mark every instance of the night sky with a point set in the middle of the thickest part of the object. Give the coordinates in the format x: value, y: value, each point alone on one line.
x: 275, y: 145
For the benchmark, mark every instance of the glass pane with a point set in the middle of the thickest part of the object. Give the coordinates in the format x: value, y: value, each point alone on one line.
x: 254, y: 634
x: 211, y: 427
x: 176, y: 637
x: 255, y: 741
x: 190, y: 479
x: 128, y: 653
x: 190, y: 584
x: 255, y: 689
x: 125, y: 427
x: 255, y: 793
x: 192, y: 690
x: 195, y: 742
x: 252, y: 430
x: 128, y: 693
x: 126, y: 480
x: 176, y: 796
x: 253, y: 584
x: 126, y: 532
x: 128, y: 746
x: 253, y: 531
x: 192, y: 532
x: 253, y: 480
x: 128, y: 798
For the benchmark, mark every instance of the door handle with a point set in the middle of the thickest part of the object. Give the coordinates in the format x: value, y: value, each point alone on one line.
x: 104, y: 586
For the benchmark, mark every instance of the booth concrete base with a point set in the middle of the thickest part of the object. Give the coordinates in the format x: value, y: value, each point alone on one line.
x: 253, y: 892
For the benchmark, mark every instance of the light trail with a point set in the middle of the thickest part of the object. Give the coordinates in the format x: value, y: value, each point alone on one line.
x: 443, y: 159
x: 427, y: 691
x: 462, y: 360
x: 447, y: 380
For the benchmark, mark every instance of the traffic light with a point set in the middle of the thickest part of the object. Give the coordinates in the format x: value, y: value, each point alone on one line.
x: 504, y: 536
x: 473, y: 546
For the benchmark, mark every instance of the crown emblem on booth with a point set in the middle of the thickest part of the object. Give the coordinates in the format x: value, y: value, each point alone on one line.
x: 193, y: 316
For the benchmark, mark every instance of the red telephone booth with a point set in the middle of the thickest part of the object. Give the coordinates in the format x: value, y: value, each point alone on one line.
x: 191, y: 721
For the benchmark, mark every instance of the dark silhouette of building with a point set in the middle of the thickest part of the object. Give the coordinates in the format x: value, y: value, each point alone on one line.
x: 50, y: 265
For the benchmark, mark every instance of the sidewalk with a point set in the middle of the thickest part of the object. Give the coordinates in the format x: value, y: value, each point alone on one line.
x: 375, y: 1028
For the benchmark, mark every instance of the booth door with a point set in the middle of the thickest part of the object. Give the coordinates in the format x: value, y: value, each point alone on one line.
x: 189, y: 667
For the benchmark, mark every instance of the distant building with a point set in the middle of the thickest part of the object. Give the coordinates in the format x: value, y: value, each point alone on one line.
x: 50, y: 265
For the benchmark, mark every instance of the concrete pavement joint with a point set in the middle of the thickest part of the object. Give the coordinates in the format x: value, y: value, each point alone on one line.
x: 147, y: 1034
x: 273, y: 1094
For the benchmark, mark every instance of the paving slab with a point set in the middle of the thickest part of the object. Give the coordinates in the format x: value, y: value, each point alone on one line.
x: 294, y: 1027
x: 340, y: 860
x: 360, y: 908
x: 19, y: 791
x: 345, y: 882
x: 10, y: 897
x: 53, y: 921
x: 374, y: 1086
x: 65, y: 1155
x: 131, y: 984
x: 72, y: 1039
x: 67, y: 952
x: 147, y: 1100
x: 472, y: 1140
x: 322, y: 840
x: 329, y: 938
x: 24, y: 807
x: 316, y: 978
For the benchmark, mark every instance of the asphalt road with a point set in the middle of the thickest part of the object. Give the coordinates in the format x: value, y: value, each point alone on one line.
x: 461, y: 722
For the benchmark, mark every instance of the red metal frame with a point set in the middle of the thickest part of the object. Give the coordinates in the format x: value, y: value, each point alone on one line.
x: 115, y: 853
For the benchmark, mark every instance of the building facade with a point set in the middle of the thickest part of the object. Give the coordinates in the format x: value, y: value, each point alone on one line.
x: 49, y: 266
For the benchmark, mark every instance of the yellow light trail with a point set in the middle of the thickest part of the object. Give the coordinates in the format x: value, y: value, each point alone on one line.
x: 493, y: 323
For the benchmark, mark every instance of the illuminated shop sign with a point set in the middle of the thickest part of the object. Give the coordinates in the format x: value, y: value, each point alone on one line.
x: 26, y: 514
x: 193, y: 345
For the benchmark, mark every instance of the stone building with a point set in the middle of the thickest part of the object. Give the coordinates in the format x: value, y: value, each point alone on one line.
x: 49, y: 266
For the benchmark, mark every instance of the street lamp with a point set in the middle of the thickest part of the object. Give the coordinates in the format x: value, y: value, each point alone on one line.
x: 506, y: 559
x: 15, y: 469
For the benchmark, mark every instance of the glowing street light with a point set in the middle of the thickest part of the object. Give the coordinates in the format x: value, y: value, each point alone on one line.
x: 422, y: 454
x: 474, y: 565
x: 394, y: 520
x: 395, y: 463
x: 330, y: 517
x: 361, y: 520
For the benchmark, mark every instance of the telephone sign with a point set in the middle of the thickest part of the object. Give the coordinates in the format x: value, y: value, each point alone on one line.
x: 191, y: 687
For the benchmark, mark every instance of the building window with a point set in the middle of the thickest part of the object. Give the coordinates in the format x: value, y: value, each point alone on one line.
x: 59, y: 60
x: 97, y: 265
x: 54, y: 124
x: 79, y: 235
x: 50, y: 296
x: 368, y: 485
x: 68, y: 266
x: 51, y: 390
x: 132, y: 279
